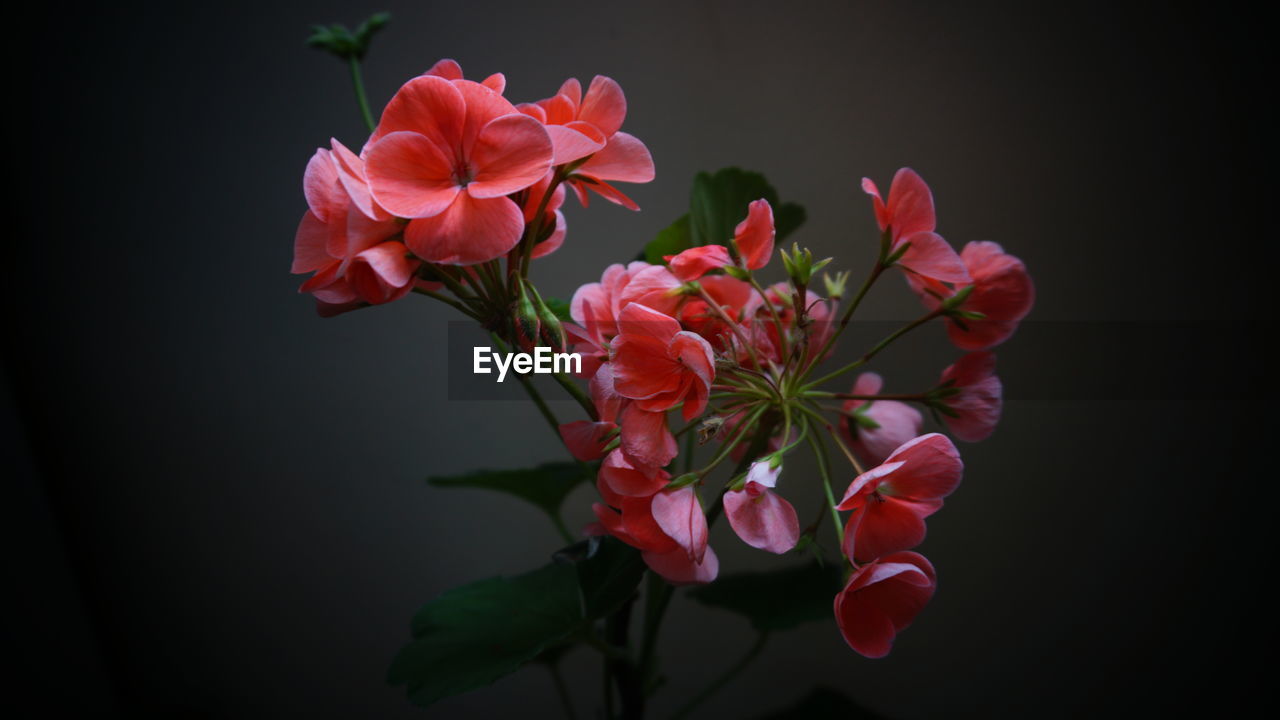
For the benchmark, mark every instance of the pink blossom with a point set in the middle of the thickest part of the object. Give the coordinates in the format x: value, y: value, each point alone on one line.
x: 895, y: 422
x: 909, y: 217
x: 658, y: 365
x: 881, y: 599
x: 760, y: 516
x: 978, y: 404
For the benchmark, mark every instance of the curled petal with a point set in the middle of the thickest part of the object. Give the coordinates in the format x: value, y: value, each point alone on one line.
x: 754, y: 235
x: 382, y: 273
x: 679, y: 513
x: 625, y: 479
x: 698, y: 261
x: 320, y: 184
x: 881, y: 599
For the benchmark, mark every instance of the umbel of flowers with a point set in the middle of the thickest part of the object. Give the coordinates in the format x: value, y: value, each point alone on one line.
x: 457, y: 191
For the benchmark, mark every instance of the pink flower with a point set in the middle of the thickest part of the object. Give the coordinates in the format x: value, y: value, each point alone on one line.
x: 658, y: 365
x: 450, y: 70
x: 676, y: 568
x: 646, y: 439
x: 881, y: 599
x: 629, y: 479
x: 554, y: 227
x: 588, y: 127
x: 977, y: 405
x: 891, y: 501
x: 892, y: 423
x: 695, y: 262
x: 1002, y: 292
x: 760, y: 516
x: 445, y: 155
x: 679, y: 513
x: 909, y: 217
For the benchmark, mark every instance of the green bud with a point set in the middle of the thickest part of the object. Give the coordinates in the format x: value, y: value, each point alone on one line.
x: 835, y: 284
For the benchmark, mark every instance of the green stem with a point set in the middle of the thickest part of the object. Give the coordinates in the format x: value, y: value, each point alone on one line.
x: 448, y: 301
x: 578, y: 394
x: 358, y: 82
x: 820, y: 454
x: 875, y: 350
x: 724, y: 679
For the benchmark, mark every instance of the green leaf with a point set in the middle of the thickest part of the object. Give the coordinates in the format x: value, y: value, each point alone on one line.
x: 823, y: 703
x: 719, y: 202
x: 472, y: 635
x: 777, y: 600
x: 672, y: 240
x: 559, y: 307
x: 608, y: 575
x: 545, y: 486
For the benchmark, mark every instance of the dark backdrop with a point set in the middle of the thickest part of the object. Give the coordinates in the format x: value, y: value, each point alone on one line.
x: 216, y: 503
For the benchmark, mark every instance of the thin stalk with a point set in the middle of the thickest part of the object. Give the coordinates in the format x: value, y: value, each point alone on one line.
x: 875, y: 350
x: 358, y: 82
x: 820, y: 454
x: 448, y: 301
x: 578, y: 394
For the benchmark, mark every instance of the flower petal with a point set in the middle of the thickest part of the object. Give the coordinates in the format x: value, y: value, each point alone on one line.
x: 428, y: 105
x: 933, y: 257
x: 767, y: 522
x: 470, y: 231
x: 680, y: 516
x: 604, y: 105
x: 623, y: 159
x: 754, y: 235
x: 410, y: 176
x: 511, y: 153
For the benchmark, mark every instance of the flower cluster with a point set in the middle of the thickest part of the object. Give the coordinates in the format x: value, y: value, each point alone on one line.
x: 454, y: 174
x: 701, y: 335
x: 456, y: 191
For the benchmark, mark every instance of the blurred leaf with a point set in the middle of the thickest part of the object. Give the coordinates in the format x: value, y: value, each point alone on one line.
x: 719, y: 202
x: 472, y: 635
x: 823, y: 703
x: 608, y: 575
x: 545, y: 486
x: 340, y: 41
x: 777, y: 600
x: 670, y: 241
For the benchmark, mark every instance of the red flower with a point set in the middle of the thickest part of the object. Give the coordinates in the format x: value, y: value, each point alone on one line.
x: 760, y: 516
x: 909, y: 217
x: 754, y: 235
x: 891, y: 501
x: 881, y: 599
x: 1002, y: 292
x: 658, y: 365
x: 446, y: 154
x: 979, y: 401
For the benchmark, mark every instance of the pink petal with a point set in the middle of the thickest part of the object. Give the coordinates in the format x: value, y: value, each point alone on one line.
x: 623, y: 159
x: 754, y: 235
x: 351, y: 173
x: 603, y: 189
x: 470, y: 231
x: 534, y: 111
x: 410, y: 176
x: 572, y: 89
x: 511, y: 153
x: 309, y: 244
x: 933, y: 257
x: 324, y: 193
x: 483, y: 107
x: 899, y: 422
x: 607, y: 401
x: 447, y: 68
x: 604, y: 105
x: 560, y: 110
x: 885, y: 525
x: 627, y: 480
x: 585, y: 439
x: 553, y: 241
x: 910, y: 205
x: 767, y: 522
x: 646, y: 437
x: 871, y: 478
x: 378, y: 272
x: 680, y: 516
x: 637, y: 319
x: 653, y: 286
x: 882, y: 213
x: 428, y: 105
x: 881, y: 599
x: 698, y: 261
x: 931, y: 468
x: 574, y: 141
x: 676, y: 568
x: 496, y: 82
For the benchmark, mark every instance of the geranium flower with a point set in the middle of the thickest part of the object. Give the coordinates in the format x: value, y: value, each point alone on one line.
x: 909, y: 217
x: 881, y: 599
x: 760, y: 516
x: 891, y: 501
x: 891, y: 423
x: 445, y: 155
x: 1001, y: 292
x: 658, y: 365
x: 978, y: 404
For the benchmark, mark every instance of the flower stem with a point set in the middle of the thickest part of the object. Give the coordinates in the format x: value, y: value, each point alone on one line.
x: 820, y: 454
x: 358, y: 82
x: 875, y: 350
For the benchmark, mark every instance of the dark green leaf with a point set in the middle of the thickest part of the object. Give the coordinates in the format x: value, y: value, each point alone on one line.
x: 823, y: 703
x: 472, y: 635
x: 777, y: 600
x: 670, y: 241
x: 608, y: 575
x: 545, y: 486
x: 719, y: 202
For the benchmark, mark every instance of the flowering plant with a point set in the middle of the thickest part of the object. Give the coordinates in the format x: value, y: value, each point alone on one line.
x: 457, y: 192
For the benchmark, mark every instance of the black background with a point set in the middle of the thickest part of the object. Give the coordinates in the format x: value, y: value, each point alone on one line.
x: 216, y: 507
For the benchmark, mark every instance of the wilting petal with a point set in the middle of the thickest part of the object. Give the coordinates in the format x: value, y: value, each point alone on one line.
x: 698, y: 261
x: 427, y: 105
x: 767, y: 522
x: 754, y: 235
x: 676, y: 568
x: 679, y: 514
x: 510, y: 154
x: 604, y: 105
x: 645, y: 436
x: 470, y: 231
x: 410, y: 176
x: 623, y: 159
x: 601, y: 188
x: 881, y: 599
